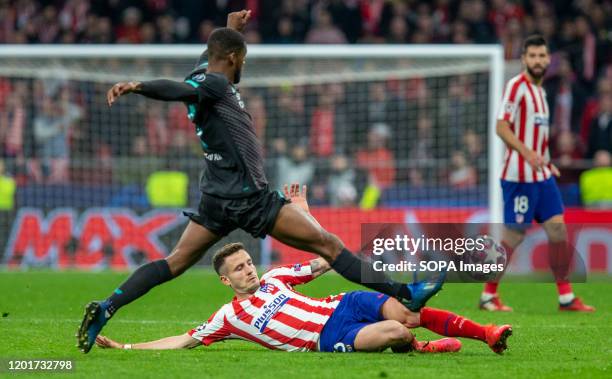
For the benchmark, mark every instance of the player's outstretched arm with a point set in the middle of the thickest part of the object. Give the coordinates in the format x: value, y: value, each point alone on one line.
x: 183, y: 341
x: 162, y: 89
x: 505, y: 133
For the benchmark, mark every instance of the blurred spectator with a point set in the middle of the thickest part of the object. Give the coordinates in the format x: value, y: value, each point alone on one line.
x: 398, y: 31
x: 422, y: 146
x: 13, y: 122
x: 460, y: 33
x: 285, y: 32
x: 158, y: 133
x: 460, y: 110
x: 324, y: 31
x: 461, y: 175
x: 512, y: 39
x: 591, y: 109
x: 252, y: 37
x: 347, y: 15
x: 129, y: 30
x: 139, y: 146
x: 290, y: 122
x: 148, y: 35
x: 327, y: 126
x: 295, y: 168
x: 416, y: 178
x: 566, y: 152
x: 52, y: 128
x: 474, y: 12
x: 341, y: 183
x: 585, y: 59
x: 474, y: 150
x: 600, y: 135
x: 566, y: 97
x: 206, y: 27
x: 376, y: 158
x: 474, y: 146
x: 166, y: 29
x: 502, y: 12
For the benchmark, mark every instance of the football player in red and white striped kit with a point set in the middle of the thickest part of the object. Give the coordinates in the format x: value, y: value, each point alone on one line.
x: 529, y: 188
x: 269, y: 312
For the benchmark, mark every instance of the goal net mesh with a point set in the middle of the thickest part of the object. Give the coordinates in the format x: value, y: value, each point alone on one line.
x: 365, y: 134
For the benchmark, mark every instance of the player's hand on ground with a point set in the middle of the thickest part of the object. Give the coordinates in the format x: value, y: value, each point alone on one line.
x: 555, y: 171
x: 296, y: 196
x: 238, y: 20
x: 107, y: 343
x: 119, y: 89
x: 535, y: 160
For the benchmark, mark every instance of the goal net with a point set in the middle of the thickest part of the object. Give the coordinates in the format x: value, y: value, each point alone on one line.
x: 378, y: 133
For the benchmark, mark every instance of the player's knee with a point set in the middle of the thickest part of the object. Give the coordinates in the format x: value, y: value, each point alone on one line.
x: 411, y: 319
x: 398, y: 333
x: 557, y: 232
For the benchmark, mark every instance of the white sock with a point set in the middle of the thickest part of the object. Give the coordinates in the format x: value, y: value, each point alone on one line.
x: 485, y: 296
x: 567, y: 298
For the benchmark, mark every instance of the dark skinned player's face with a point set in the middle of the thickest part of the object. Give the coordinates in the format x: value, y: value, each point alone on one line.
x: 536, y: 60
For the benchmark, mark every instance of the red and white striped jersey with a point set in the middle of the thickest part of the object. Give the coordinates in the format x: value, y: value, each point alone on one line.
x: 525, y: 107
x: 275, y: 316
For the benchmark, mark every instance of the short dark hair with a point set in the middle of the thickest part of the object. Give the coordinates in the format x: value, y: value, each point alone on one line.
x: 224, y: 252
x: 224, y: 41
x: 534, y: 40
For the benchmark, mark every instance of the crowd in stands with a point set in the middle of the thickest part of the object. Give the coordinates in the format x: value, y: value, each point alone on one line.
x: 339, y: 138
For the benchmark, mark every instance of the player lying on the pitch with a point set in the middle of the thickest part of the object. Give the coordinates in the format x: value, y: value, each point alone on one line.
x: 271, y: 313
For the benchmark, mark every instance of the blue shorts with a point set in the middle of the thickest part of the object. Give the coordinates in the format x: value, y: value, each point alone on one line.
x: 525, y: 202
x: 356, y: 310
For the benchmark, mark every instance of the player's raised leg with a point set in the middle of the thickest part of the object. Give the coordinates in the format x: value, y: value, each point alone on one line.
x: 193, y: 244
x: 297, y: 228
x: 560, y: 256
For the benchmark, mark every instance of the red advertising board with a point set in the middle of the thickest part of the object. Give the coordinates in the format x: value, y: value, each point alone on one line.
x: 36, y: 237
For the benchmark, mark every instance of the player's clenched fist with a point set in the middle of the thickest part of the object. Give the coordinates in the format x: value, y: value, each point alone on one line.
x: 119, y: 89
x: 238, y: 20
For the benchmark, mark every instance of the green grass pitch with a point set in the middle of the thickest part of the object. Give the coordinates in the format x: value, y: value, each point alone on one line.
x: 41, y: 312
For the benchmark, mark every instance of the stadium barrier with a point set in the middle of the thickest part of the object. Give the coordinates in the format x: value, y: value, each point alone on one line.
x: 120, y: 238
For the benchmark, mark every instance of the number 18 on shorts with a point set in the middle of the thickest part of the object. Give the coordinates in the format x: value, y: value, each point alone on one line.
x: 525, y: 202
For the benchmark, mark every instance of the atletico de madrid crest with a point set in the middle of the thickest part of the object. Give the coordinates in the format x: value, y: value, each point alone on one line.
x: 519, y: 218
x: 269, y: 288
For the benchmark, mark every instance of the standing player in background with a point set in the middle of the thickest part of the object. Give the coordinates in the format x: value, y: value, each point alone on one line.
x: 529, y: 188
x: 234, y: 189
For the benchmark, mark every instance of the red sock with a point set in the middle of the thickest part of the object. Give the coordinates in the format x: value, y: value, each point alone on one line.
x: 491, y: 288
x: 560, y: 257
x: 564, y: 287
x: 451, y: 325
